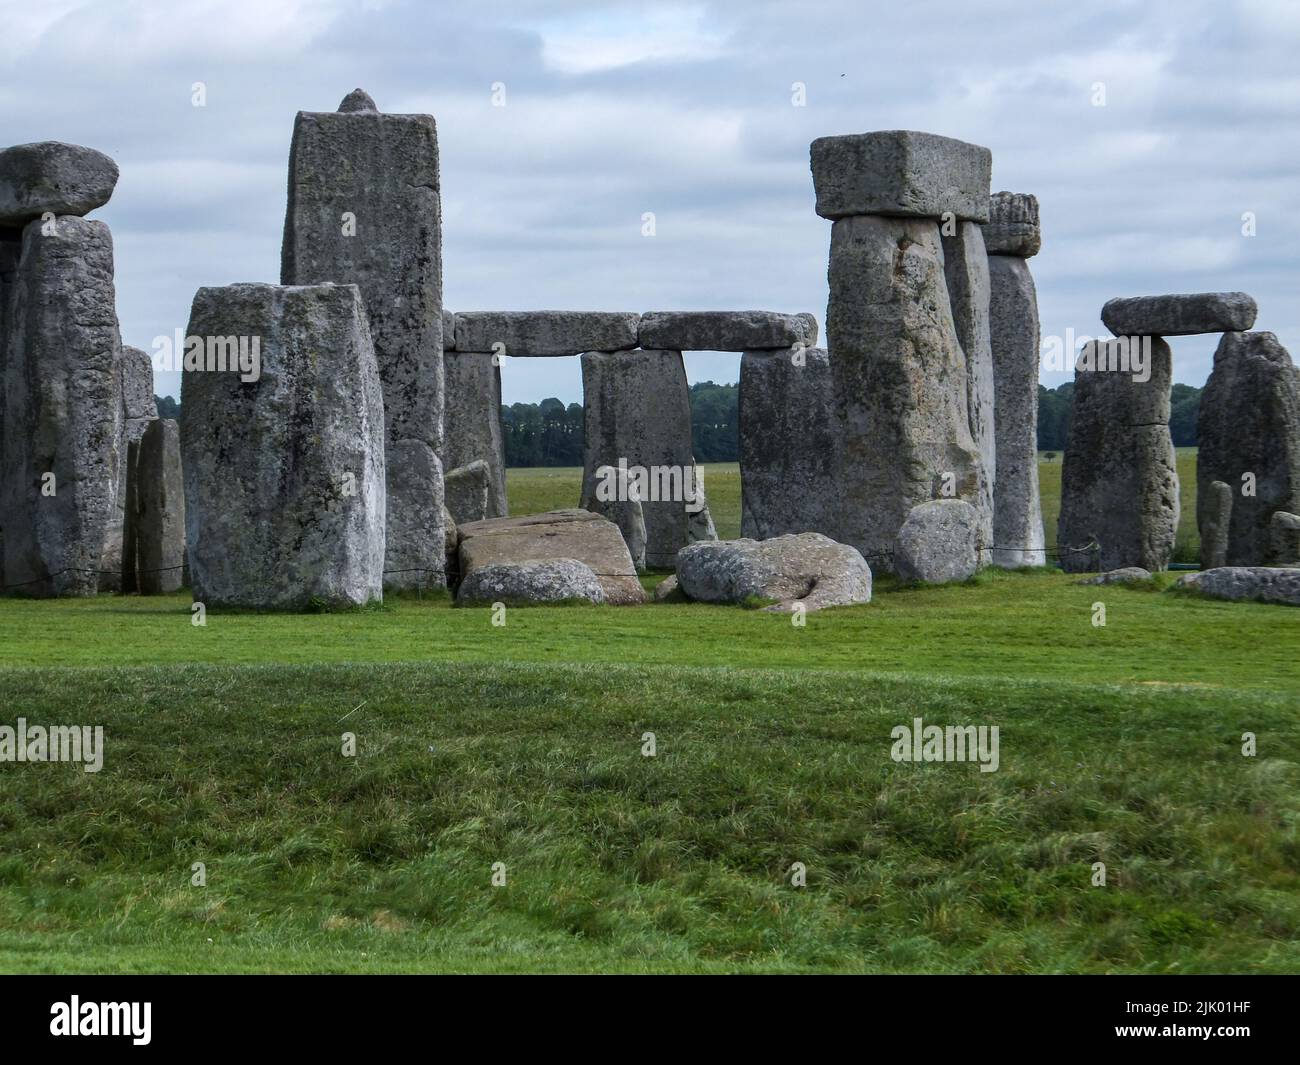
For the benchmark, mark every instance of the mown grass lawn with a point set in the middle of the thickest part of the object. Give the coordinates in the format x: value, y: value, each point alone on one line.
x: 523, y: 745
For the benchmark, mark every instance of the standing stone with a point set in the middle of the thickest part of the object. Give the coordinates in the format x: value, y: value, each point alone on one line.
x: 938, y: 543
x: 414, y: 505
x: 789, y: 441
x: 473, y: 431
x: 637, y: 414
x: 139, y: 408
x: 1249, y: 423
x: 285, y: 476
x: 966, y: 269
x: 131, y: 521
x: 616, y: 498
x: 900, y: 378
x: 1285, y: 529
x: 467, y: 491
x: 1017, y: 510
x: 1119, y: 482
x: 1214, y: 514
x: 160, y: 502
x: 365, y: 208
x: 63, y: 409
x: 11, y: 249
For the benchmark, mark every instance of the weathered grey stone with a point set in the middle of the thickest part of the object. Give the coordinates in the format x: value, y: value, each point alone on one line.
x: 1119, y: 482
x: 616, y: 498
x: 474, y: 423
x: 726, y: 330
x: 448, y: 331
x: 130, y: 581
x: 11, y: 249
x: 1179, y: 315
x: 939, y: 542
x: 789, y: 442
x: 1259, y: 583
x: 415, y: 542
x: 1012, y: 228
x: 365, y: 208
x: 285, y: 476
x: 468, y: 491
x: 551, y: 580
x: 1013, y: 331
x: 568, y: 534
x: 160, y: 501
x: 807, y: 569
x: 1214, y: 520
x: 637, y: 415
x: 1127, y: 575
x: 63, y: 409
x: 699, y: 522
x: 667, y: 588
x: 524, y: 333
x: 900, y: 377
x: 1249, y: 423
x: 1286, y: 538
x: 901, y: 173
x: 966, y: 269
x: 50, y: 176
x: 139, y: 408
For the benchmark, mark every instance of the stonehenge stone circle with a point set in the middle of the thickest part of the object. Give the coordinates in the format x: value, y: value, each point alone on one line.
x: 1249, y: 432
x: 1263, y: 584
x: 139, y: 408
x: 637, y: 413
x: 1013, y: 226
x: 285, y: 476
x: 1119, y: 483
x: 1179, y: 315
x: 939, y: 542
x: 63, y: 409
x: 413, y: 559
x: 473, y: 425
x: 789, y: 444
x: 524, y: 333
x: 160, y: 503
x: 726, y: 330
x: 550, y: 580
x: 1214, y: 520
x: 50, y: 177
x: 365, y: 208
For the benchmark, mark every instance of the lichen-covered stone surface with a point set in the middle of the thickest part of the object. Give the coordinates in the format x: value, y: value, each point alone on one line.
x: 1261, y: 584
x: 534, y: 581
x: 53, y: 177
x: 1013, y: 228
x: 1180, y: 314
x: 160, y: 504
x: 523, y: 333
x: 938, y: 543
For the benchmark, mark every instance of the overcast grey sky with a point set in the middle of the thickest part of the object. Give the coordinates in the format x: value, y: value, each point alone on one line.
x: 685, y: 110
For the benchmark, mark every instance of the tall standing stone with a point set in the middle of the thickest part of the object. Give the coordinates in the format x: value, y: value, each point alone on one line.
x: 11, y: 249
x: 1011, y: 236
x: 160, y: 508
x: 139, y: 408
x: 63, y: 408
x: 1119, y: 481
x: 1249, y: 434
x: 365, y: 208
x: 473, y: 423
x: 1214, y: 521
x: 285, y: 475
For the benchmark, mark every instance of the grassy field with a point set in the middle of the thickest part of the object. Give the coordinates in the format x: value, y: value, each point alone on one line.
x: 518, y: 750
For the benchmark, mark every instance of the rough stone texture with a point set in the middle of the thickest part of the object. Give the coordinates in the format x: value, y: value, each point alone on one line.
x: 448, y: 331
x: 1260, y: 583
x: 1249, y: 422
x: 939, y: 542
x: 809, y: 569
x: 637, y: 413
x: 552, y: 580
x: 415, y: 540
x: 1286, y: 539
x: 474, y: 423
x: 900, y: 379
x: 699, y: 522
x: 615, y: 498
x: 468, y: 490
x: 1127, y: 575
x: 284, y: 477
x: 1013, y: 331
x: 160, y: 503
x: 1119, y: 484
x: 1013, y: 228
x: 1214, y: 519
x: 139, y: 408
x: 382, y: 170
x: 667, y: 587
x: 569, y: 534
x: 63, y: 179
x: 131, y: 520
x: 546, y: 332
x: 63, y: 409
x: 966, y: 269
x: 1179, y: 315
x: 726, y: 330
x: 789, y: 440
x: 901, y: 173
x: 11, y: 249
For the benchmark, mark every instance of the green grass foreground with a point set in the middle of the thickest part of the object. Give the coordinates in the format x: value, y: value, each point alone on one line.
x: 522, y: 745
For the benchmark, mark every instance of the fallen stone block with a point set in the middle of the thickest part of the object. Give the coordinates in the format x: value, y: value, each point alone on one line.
x: 1012, y: 228
x: 539, y: 581
x: 726, y: 330
x: 938, y: 543
x: 1179, y: 315
x: 1261, y: 584
x: 524, y: 333
x: 55, y: 178
x: 160, y: 503
x: 1127, y: 575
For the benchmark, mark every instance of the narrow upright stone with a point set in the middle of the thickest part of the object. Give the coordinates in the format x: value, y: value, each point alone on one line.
x: 1214, y: 514
x: 414, y: 505
x: 139, y: 408
x: 474, y: 425
x: 1249, y: 434
x: 365, y: 208
x: 160, y: 500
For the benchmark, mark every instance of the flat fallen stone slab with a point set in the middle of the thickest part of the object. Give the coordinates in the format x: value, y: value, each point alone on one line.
x: 546, y: 332
x: 1263, y: 584
x: 726, y: 330
x: 1012, y: 228
x: 1181, y: 314
x: 901, y: 173
x: 64, y: 179
x: 535, y: 582
x: 1125, y: 575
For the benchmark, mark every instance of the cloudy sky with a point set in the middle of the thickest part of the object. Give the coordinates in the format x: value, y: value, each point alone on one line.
x: 685, y: 110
